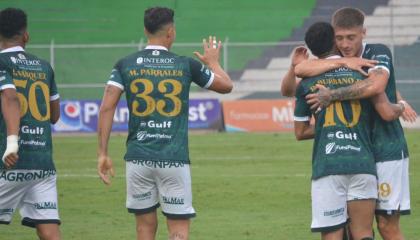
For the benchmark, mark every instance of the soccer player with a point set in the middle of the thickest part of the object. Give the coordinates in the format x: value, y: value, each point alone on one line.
x: 29, y: 184
x: 343, y: 166
x: 157, y: 84
x: 390, y: 147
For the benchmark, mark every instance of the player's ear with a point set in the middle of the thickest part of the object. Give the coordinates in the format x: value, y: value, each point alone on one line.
x: 364, y: 32
x: 25, y: 37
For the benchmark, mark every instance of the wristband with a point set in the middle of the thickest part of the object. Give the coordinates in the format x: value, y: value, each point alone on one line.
x: 403, y: 104
x: 12, y: 146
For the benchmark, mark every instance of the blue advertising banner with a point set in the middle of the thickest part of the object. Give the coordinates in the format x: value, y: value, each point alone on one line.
x: 82, y: 115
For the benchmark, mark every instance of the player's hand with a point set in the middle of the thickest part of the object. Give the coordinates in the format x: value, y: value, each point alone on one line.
x: 10, y: 160
x: 320, y: 99
x: 10, y: 156
x: 299, y: 55
x: 409, y: 114
x: 357, y: 64
x: 105, y: 169
x: 211, y: 52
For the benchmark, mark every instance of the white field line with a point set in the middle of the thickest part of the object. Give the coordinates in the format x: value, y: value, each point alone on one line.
x: 297, y: 175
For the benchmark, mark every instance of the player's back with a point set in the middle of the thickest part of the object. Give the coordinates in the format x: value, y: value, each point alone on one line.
x: 342, y: 130
x: 388, y: 136
x: 35, y: 86
x: 157, y: 84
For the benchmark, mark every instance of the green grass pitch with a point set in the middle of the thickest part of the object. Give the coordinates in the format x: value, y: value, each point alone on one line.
x: 245, y: 186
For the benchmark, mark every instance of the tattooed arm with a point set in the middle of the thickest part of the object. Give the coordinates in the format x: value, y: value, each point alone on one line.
x: 373, y: 85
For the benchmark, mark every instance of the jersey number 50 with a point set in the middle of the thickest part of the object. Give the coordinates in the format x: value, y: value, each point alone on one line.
x: 151, y: 103
x: 32, y: 102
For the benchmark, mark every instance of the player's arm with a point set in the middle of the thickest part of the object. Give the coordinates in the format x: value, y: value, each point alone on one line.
x: 10, y: 108
x: 371, y: 86
x: 54, y: 100
x: 55, y: 111
x: 221, y: 82
x: 314, y: 67
x: 304, y: 130
x: 302, y: 116
x: 409, y: 114
x: 109, y: 103
x: 289, y: 81
x: 387, y: 110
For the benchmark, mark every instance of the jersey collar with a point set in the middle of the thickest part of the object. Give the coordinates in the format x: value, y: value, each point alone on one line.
x: 13, y: 49
x: 156, y: 47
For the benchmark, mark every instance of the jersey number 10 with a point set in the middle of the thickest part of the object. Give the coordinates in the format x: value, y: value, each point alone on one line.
x: 338, y: 107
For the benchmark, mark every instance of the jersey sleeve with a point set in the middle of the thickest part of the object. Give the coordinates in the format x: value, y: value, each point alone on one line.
x: 6, y: 80
x: 115, y: 78
x: 383, y: 55
x: 201, y: 75
x: 302, y: 109
x: 53, y: 88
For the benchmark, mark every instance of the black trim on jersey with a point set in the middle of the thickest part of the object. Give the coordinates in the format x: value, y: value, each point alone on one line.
x: 4, y: 222
x: 29, y: 222
x: 392, y: 212
x: 144, y: 210
x: 179, y: 216
x: 330, y: 228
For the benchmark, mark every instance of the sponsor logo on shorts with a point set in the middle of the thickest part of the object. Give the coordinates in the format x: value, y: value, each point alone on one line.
x: 173, y: 200
x: 13, y: 176
x: 334, y: 213
x: 158, y: 164
x: 46, y: 205
x: 142, y: 196
x: 332, y: 148
x: 143, y: 135
x: 6, y: 211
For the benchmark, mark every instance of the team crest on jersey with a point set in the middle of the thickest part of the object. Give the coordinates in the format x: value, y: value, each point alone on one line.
x: 139, y: 60
x: 155, y: 53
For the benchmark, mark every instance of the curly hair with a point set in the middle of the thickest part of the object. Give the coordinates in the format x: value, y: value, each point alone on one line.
x: 13, y: 21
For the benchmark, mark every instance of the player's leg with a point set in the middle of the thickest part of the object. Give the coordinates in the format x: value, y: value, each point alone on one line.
x: 12, y: 191
x: 329, y: 206
x: 48, y: 231
x: 40, y: 208
x: 389, y: 226
x: 174, y: 183
x: 361, y: 213
x: 142, y: 197
x: 178, y: 229
x: 394, y: 197
x: 361, y: 204
x: 146, y: 225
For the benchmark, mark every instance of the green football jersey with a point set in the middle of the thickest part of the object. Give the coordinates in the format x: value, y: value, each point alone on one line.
x: 343, y: 143
x: 157, y: 84
x: 35, y: 86
x: 388, y: 137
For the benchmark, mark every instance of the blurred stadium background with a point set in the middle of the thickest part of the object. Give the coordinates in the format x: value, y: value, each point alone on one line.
x: 84, y: 39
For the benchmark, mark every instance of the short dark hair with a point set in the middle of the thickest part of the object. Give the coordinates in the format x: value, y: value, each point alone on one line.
x: 157, y: 17
x: 320, y: 38
x: 13, y: 21
x: 348, y: 17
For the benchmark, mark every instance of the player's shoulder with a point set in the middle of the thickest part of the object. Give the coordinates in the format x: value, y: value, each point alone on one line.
x: 372, y: 48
